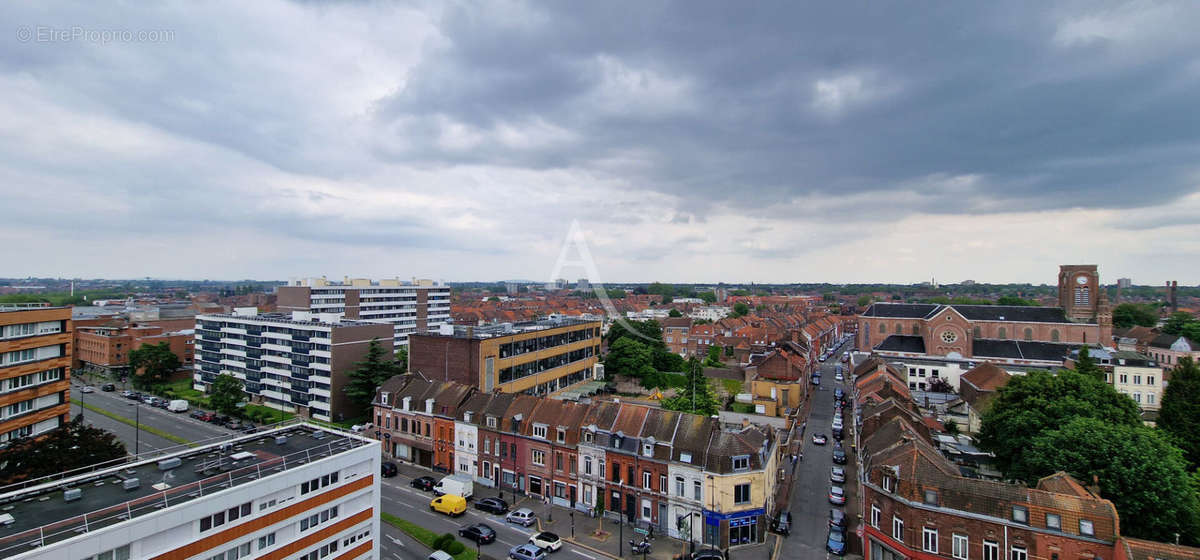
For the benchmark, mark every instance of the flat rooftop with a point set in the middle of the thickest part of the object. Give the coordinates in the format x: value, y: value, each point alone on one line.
x: 506, y: 329
x: 41, y: 515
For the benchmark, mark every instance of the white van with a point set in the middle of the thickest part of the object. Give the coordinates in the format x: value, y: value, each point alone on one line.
x: 457, y: 484
x: 178, y: 405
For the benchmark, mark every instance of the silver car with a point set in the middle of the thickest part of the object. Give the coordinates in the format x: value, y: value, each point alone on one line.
x: 837, y: 474
x: 523, y: 516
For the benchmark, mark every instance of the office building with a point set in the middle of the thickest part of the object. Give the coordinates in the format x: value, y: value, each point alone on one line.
x: 296, y: 362
x: 35, y: 370
x: 106, y: 348
x: 535, y: 357
x: 295, y: 492
x: 410, y: 307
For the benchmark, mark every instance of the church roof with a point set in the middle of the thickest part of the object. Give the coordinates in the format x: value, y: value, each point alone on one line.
x: 901, y: 310
x: 903, y: 343
x: 1008, y: 313
x: 1020, y: 350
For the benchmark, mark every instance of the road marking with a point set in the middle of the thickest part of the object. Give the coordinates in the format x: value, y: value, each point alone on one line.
x: 397, y: 555
x: 395, y: 541
x: 583, y: 555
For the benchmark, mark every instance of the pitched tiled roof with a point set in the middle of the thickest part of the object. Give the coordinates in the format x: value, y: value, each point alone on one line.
x: 901, y: 310
x: 629, y: 421
x: 1012, y: 313
x: 1138, y: 549
x: 986, y: 377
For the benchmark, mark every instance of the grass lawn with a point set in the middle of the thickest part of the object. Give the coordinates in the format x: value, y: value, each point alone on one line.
x: 744, y: 408
x: 425, y: 536
x: 732, y: 386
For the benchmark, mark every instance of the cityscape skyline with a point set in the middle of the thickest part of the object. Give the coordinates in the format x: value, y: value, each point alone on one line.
x: 783, y: 144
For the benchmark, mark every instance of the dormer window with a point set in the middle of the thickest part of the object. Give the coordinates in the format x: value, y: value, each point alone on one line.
x: 741, y: 463
x: 539, y: 431
x: 685, y: 457
x: 383, y: 398
x: 562, y: 435
x: 588, y: 437
x: 931, y: 497
x: 648, y: 449
x: 888, y: 484
x: 491, y: 421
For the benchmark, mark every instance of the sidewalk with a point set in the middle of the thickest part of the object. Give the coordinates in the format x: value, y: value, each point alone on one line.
x: 581, y: 529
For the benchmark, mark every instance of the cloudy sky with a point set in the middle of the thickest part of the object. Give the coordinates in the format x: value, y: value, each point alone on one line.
x: 689, y: 141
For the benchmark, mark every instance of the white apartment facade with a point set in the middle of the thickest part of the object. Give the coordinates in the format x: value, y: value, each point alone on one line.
x: 301, y: 496
x: 1139, y: 377
x: 710, y: 312
x: 294, y: 362
x: 418, y: 306
x: 686, y: 486
x: 466, y: 446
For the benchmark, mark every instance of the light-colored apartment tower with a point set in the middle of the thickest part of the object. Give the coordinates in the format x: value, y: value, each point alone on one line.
x: 418, y: 306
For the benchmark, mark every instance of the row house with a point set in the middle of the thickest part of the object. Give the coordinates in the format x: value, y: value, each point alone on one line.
x: 675, y: 331
x: 700, y: 338
x: 679, y: 473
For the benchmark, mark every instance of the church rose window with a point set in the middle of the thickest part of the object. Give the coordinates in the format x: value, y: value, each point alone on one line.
x: 949, y: 337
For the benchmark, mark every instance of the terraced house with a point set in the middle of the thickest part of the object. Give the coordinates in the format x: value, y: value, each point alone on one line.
x: 678, y: 473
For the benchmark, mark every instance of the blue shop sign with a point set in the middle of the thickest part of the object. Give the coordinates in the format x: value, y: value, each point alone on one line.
x: 713, y: 518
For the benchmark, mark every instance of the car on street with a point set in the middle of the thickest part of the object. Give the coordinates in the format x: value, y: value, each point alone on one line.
x: 707, y: 554
x: 388, y: 469
x: 835, y: 542
x: 526, y: 552
x: 839, y: 456
x: 837, y: 432
x: 523, y: 516
x: 423, y: 483
x: 219, y: 420
x: 199, y: 414
x: 546, y: 540
x: 449, y: 504
x: 783, y: 524
x: 839, y: 377
x: 837, y: 496
x: 479, y: 533
x: 816, y: 380
x: 837, y: 518
x: 440, y: 555
x: 837, y: 474
x: 88, y: 389
x: 819, y: 439
x: 108, y: 387
x: 838, y: 394
x: 492, y: 505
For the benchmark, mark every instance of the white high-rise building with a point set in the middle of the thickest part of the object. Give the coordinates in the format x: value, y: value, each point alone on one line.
x: 418, y: 306
x: 299, y: 491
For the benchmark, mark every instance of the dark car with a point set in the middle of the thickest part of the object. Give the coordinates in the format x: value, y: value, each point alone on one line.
x: 819, y: 439
x: 836, y: 542
x: 479, y: 533
x: 783, y: 524
x: 816, y: 380
x: 234, y: 424
x: 199, y: 415
x: 219, y: 420
x: 838, y: 434
x: 423, y: 483
x: 388, y: 469
x: 492, y: 505
x: 838, y: 394
x: 837, y: 519
x: 249, y: 428
x: 708, y: 554
x: 108, y: 387
x: 839, y: 456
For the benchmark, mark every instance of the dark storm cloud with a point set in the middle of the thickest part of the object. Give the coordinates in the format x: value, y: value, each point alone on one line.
x: 952, y: 89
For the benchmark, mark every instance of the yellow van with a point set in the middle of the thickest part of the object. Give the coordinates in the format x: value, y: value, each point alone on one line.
x: 449, y: 504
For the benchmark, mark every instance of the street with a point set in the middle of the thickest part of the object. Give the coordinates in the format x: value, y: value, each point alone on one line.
x: 810, y: 492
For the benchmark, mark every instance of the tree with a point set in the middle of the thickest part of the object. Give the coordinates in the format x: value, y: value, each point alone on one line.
x: 1013, y: 300
x: 153, y: 364
x: 648, y: 332
x: 402, y: 359
x: 493, y: 298
x: 367, y: 375
x: 939, y: 385
x: 1179, y: 414
x: 71, y: 446
x: 951, y: 427
x: 696, y: 397
x: 1039, y: 401
x: 674, y: 313
x: 225, y: 393
x: 665, y: 360
x: 1084, y: 364
x: 630, y: 358
x: 1132, y: 314
x: 1177, y: 322
x: 714, y: 357
x: 828, y: 297
x: 1139, y: 470
x: 740, y: 309
x: 708, y: 297
x: 864, y: 300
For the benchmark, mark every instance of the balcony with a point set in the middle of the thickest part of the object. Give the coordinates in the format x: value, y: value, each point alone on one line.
x: 299, y: 375
x: 300, y: 337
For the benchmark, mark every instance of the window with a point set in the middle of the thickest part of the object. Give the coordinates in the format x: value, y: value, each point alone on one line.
x: 588, y: 437
x: 741, y: 462
x: 958, y: 547
x: 1149, y: 398
x: 218, y: 519
x: 1053, y: 521
x: 318, y: 518
x: 539, y: 431
x: 1124, y: 378
x: 685, y: 457
x: 888, y: 484
x: 1018, y: 553
x: 645, y: 509
x: 587, y: 465
x: 1086, y: 528
x: 266, y: 541
x: 558, y: 461
x: 646, y: 480
x: 1149, y: 379
x: 991, y: 550
x: 931, y: 497
x: 875, y: 516
x: 491, y: 422
x: 562, y: 435
x: 119, y: 553
x: 648, y: 449
x: 929, y: 542
x: 318, y: 483
x: 1003, y: 333
x: 1020, y: 514
x: 697, y: 490
x: 1137, y: 397
x: 679, y: 486
x: 1054, y: 335
x: 266, y: 504
x: 898, y: 529
x: 662, y: 483
x: 741, y: 494
x: 539, y: 457
x: 1137, y: 380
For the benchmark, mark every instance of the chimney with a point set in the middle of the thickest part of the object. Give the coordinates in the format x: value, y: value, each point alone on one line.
x: 1095, y: 486
x: 1173, y: 299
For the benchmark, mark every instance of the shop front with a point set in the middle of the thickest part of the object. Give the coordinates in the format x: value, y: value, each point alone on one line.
x: 735, y: 528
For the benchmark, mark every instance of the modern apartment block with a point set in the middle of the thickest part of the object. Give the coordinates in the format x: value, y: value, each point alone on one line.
x: 536, y: 357
x: 35, y: 370
x: 411, y: 307
x: 299, y: 491
x: 296, y: 362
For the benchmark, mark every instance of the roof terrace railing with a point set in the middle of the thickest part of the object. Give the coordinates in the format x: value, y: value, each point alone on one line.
x: 225, y: 471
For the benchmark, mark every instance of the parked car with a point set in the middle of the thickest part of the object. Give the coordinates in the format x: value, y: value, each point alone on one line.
x: 523, y: 516
x: 837, y: 474
x: 820, y: 439
x: 388, y: 469
x: 546, y: 540
x: 199, y: 415
x: 837, y: 433
x: 423, y: 483
x: 837, y: 496
x: 816, y: 380
x: 707, y: 554
x: 219, y: 420
x: 839, y: 377
x: 449, y: 504
x: 492, y: 505
x: 249, y: 428
x: 177, y: 405
x: 783, y: 524
x: 838, y: 394
x: 839, y: 456
x: 837, y: 518
x: 835, y: 542
x: 108, y: 387
x: 457, y: 484
x: 88, y: 389
x: 234, y: 424
x: 526, y: 552
x: 440, y: 555
x: 128, y: 394
x: 148, y: 399
x: 479, y: 533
